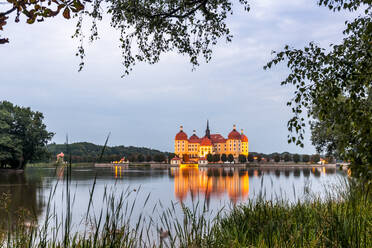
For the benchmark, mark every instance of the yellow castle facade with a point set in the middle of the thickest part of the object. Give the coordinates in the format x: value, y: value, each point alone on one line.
x: 195, y: 147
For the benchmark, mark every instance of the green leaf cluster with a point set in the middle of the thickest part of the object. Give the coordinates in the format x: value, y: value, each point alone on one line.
x: 23, y: 135
x: 335, y: 87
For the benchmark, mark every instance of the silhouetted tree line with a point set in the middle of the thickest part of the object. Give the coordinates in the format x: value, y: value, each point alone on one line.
x: 258, y: 157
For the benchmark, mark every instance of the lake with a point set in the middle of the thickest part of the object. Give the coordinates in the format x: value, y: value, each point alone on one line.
x: 155, y: 190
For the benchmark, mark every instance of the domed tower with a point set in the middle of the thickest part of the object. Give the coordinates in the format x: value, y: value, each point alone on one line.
x: 181, y: 143
x: 244, y: 144
x: 233, y: 142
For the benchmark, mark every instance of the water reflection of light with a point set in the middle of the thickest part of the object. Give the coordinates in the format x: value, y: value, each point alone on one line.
x: 116, y: 171
x: 210, y: 182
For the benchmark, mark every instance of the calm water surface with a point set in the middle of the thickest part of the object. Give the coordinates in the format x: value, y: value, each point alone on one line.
x: 215, y: 187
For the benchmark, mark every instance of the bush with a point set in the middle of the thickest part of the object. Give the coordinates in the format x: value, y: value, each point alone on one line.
x: 223, y: 158
x: 305, y: 158
x: 159, y: 158
x: 230, y: 158
x: 141, y: 158
x: 216, y: 158
x: 287, y: 157
x: 242, y: 158
x: 209, y: 157
x: 315, y: 158
x: 296, y: 158
x: 277, y: 158
x: 250, y: 158
x: 148, y: 158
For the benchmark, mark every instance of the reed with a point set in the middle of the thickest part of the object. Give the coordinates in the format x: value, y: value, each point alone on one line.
x: 342, y: 219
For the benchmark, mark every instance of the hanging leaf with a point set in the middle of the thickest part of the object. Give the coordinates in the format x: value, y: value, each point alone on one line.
x: 66, y: 13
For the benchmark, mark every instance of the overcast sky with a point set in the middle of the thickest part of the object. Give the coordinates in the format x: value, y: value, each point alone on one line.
x: 38, y: 69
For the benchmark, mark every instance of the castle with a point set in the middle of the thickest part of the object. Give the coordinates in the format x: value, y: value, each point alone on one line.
x: 195, y: 147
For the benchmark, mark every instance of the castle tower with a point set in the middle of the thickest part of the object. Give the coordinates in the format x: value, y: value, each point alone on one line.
x: 207, y: 131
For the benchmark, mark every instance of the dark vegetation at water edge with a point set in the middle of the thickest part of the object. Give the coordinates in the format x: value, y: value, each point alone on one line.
x: 87, y: 152
x: 343, y: 219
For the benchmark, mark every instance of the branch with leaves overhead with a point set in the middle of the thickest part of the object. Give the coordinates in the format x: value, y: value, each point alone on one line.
x: 151, y: 28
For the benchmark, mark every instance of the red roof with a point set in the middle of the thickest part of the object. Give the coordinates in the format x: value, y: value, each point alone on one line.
x: 217, y: 138
x: 181, y: 136
x: 234, y: 134
x: 243, y: 138
x: 202, y: 158
x: 194, y: 139
x: 206, y: 142
x: 175, y: 158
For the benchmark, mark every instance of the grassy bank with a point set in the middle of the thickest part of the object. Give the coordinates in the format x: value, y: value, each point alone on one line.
x: 343, y: 219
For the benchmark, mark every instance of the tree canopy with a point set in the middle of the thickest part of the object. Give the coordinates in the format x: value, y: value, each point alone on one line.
x: 23, y: 135
x: 147, y: 28
x: 334, y: 86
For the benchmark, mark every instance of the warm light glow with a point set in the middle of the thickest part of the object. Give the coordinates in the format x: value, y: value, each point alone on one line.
x: 210, y: 182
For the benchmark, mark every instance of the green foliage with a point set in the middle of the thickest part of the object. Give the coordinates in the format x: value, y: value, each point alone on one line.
x: 250, y: 158
x: 277, y: 158
x: 23, y: 135
x: 140, y: 158
x: 317, y: 223
x: 149, y: 158
x: 315, y: 158
x: 296, y: 158
x: 287, y: 157
x: 242, y: 158
x: 209, y: 157
x: 147, y: 29
x: 259, y: 158
x: 88, y: 152
x: 159, y: 158
x: 223, y: 157
x: 335, y: 87
x: 305, y: 158
x: 230, y: 158
x: 216, y: 158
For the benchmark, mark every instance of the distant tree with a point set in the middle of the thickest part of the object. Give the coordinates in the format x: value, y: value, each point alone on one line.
x: 287, y: 157
x: 170, y: 156
x: 315, y: 158
x: 216, y: 158
x: 23, y: 135
x: 296, y: 158
x: 159, y: 158
x: 259, y: 158
x: 230, y: 158
x: 277, y: 158
x: 242, y: 158
x: 209, y: 158
x: 132, y: 158
x: 141, y: 158
x: 250, y: 158
x: 148, y: 158
x: 305, y: 158
x: 223, y: 157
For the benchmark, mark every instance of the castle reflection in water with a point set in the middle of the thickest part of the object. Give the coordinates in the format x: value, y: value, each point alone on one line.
x: 211, y: 183
x: 215, y: 182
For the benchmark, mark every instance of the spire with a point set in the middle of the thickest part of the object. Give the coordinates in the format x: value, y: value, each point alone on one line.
x: 242, y: 130
x: 234, y: 127
x: 181, y: 128
x: 207, y: 131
